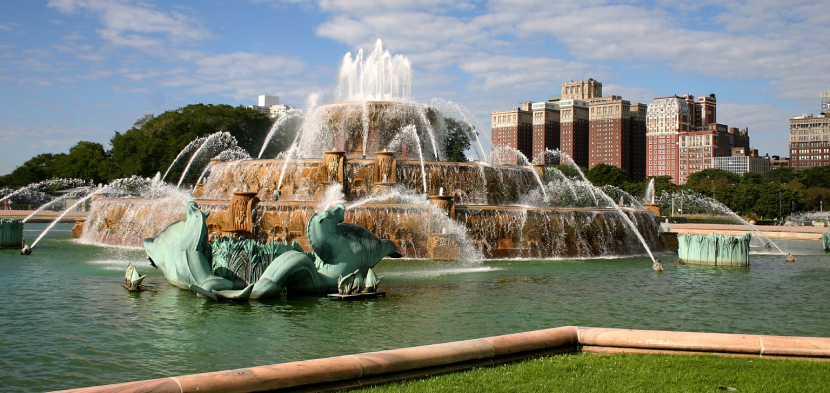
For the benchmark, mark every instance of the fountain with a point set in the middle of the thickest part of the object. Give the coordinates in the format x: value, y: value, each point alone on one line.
x: 714, y: 249
x: 379, y: 152
x: 825, y: 240
x: 11, y: 233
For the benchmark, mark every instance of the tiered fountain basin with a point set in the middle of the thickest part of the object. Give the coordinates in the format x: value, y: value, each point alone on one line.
x: 480, y: 199
x: 362, y: 128
x: 306, y: 179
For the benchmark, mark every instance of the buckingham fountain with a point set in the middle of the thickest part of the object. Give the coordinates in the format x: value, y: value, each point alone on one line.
x: 379, y: 155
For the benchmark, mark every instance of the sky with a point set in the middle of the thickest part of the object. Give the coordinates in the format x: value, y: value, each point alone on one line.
x: 81, y: 70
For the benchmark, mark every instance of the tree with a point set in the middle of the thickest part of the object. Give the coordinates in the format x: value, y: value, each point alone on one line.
x: 604, y: 174
x: 86, y: 160
x: 781, y: 175
x: 750, y: 178
x: 153, y: 143
x: 662, y: 184
x: 36, y: 169
x: 709, y: 178
x: 458, y: 139
x: 815, y: 177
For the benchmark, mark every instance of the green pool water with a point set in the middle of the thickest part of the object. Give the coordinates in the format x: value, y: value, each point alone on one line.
x: 66, y: 322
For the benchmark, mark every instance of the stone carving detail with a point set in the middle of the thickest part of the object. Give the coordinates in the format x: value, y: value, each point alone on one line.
x: 386, y: 167
x: 334, y: 163
x: 241, y: 210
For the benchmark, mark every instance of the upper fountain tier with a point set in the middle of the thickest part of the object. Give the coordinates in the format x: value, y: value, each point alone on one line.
x: 361, y: 128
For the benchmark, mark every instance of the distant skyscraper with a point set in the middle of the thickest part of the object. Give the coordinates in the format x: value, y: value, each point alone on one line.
x: 574, y: 130
x: 514, y: 129
x: 810, y: 138
x: 609, y: 132
x: 546, y: 130
x: 666, y: 118
x: 684, y: 136
x: 638, y: 142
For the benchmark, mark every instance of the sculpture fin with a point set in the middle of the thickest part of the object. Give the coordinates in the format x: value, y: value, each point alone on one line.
x: 241, y: 294
x: 204, y: 292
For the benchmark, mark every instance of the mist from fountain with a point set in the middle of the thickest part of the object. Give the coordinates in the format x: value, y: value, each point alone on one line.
x: 696, y: 203
x: 219, y: 140
x: 506, y: 151
x: 52, y: 203
x: 187, y: 149
x: 464, y: 115
x: 410, y: 130
x: 616, y: 192
x: 292, y: 120
x: 57, y: 220
x: 332, y: 195
x: 558, y: 155
x: 235, y: 153
x: 46, y: 186
x: 379, y: 77
x: 649, y: 197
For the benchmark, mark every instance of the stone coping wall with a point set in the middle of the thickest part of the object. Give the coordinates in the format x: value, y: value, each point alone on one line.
x: 366, y: 369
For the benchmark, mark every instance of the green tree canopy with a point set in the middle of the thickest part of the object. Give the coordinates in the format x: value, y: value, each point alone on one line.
x: 86, y: 160
x: 458, y: 139
x: 155, y: 141
x: 815, y: 177
x: 36, y: 169
x: 781, y: 175
x: 708, y: 179
x: 604, y: 174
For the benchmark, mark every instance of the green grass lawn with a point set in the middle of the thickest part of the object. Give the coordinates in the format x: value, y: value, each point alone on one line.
x: 630, y: 373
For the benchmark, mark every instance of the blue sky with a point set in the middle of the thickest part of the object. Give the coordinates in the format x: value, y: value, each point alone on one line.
x: 73, y: 70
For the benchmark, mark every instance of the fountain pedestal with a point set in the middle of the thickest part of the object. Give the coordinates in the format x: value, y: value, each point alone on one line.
x: 11, y: 233
x: 198, y: 190
x: 78, y: 228
x: 443, y: 247
x: 654, y: 208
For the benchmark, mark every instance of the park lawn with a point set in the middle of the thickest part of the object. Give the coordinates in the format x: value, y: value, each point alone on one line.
x: 585, y: 372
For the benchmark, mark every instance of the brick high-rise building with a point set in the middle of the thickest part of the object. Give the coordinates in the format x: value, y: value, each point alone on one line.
x: 545, y: 130
x: 609, y: 132
x: 638, y: 144
x: 810, y: 138
x: 581, y: 90
x: 574, y: 130
x: 666, y: 118
x: 684, y: 137
x: 514, y: 129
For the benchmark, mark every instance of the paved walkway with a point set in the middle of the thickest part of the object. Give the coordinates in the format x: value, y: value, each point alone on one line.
x: 43, y: 216
x: 770, y: 231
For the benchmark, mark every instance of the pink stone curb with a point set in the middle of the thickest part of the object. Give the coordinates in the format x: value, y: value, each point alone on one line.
x: 373, y: 368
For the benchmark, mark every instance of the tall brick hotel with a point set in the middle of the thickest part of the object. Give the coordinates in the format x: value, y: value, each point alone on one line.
x: 672, y: 136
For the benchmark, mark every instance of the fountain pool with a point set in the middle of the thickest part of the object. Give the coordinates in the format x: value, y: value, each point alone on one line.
x: 70, y: 323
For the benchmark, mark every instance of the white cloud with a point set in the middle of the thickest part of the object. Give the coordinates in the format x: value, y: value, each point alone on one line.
x: 139, y: 25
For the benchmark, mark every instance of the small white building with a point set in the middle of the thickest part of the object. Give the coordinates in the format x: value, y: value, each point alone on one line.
x: 742, y: 161
x: 270, y: 105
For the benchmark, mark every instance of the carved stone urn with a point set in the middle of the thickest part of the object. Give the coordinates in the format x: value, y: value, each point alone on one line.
x: 240, y: 214
x: 334, y: 165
